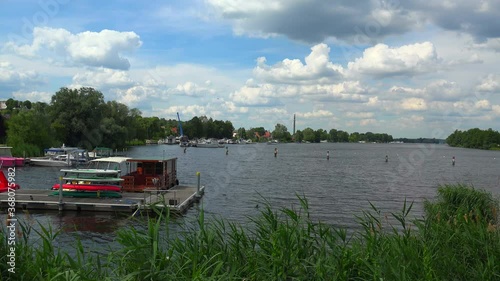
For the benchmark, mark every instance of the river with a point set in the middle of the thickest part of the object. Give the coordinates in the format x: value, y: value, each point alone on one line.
x: 337, y: 188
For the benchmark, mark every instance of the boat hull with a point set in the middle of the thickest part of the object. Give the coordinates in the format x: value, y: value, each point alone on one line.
x: 88, y: 194
x: 48, y: 163
x: 88, y: 187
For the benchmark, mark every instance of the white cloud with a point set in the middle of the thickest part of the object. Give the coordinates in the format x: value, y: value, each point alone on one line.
x: 192, y: 89
x: 134, y: 95
x: 103, y: 78
x: 496, y: 109
x: 317, y: 69
x: 316, y: 114
x: 489, y: 84
x: 34, y: 96
x: 381, y: 60
x: 251, y: 96
x: 482, y: 105
x: 101, y: 49
x: 359, y: 115
x: 368, y: 122
x: 413, y: 104
x: 12, y: 78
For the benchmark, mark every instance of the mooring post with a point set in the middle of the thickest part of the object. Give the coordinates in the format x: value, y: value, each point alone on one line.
x: 198, y: 186
x: 61, y: 194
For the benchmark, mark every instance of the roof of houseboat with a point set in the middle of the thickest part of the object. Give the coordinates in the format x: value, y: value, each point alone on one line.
x: 114, y: 159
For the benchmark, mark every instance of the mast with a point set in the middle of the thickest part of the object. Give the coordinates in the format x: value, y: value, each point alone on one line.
x: 180, y: 125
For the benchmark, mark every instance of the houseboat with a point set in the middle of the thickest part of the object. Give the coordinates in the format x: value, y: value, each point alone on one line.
x: 107, y: 176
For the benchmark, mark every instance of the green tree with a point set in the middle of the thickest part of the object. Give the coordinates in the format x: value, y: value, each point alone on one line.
x: 309, y: 135
x: 354, y: 137
x: 30, y: 128
x: 280, y: 132
x: 77, y: 116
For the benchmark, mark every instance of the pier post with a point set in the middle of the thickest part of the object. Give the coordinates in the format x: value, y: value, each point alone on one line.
x: 198, y: 185
x: 61, y: 203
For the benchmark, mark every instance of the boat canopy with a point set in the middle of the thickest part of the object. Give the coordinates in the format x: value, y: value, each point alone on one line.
x: 6, y: 151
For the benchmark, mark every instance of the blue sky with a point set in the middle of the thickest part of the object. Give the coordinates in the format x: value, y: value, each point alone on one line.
x: 410, y: 69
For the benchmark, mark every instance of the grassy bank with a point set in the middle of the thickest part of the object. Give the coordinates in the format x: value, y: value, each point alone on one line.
x: 458, y: 239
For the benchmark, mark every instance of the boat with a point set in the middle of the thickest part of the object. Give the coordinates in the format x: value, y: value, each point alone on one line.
x: 88, y: 194
x: 61, y: 157
x: 120, y: 174
x: 150, y: 174
x: 4, y: 183
x: 209, y: 144
x: 7, y: 160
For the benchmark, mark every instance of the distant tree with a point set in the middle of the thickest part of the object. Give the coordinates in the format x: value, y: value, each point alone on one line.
x: 77, y: 115
x: 242, y: 133
x: 115, y: 125
x: 30, y: 127
x: 280, y: 132
x: 309, y: 135
x: 299, y: 136
x: 342, y: 136
x: 354, y: 137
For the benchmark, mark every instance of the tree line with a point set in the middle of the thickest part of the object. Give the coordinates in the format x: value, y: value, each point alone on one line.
x: 81, y: 118
x: 475, y: 138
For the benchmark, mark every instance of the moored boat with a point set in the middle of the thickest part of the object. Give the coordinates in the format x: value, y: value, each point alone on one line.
x: 121, y: 174
x: 7, y: 160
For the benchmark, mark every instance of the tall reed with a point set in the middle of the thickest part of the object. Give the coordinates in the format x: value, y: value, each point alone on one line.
x: 457, y: 239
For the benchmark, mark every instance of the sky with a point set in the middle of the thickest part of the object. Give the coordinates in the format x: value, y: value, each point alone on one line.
x: 407, y: 68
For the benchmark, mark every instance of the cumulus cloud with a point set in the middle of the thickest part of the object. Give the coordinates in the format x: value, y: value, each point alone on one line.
x: 413, y: 104
x: 100, y: 49
x: 359, y: 21
x: 103, y: 78
x: 191, y: 89
x: 252, y: 96
x: 133, y: 95
x: 368, y: 122
x: 496, y: 109
x: 12, y: 78
x: 478, y: 18
x: 382, y: 60
x: 33, y: 96
x: 316, y: 114
x: 186, y: 111
x: 292, y: 18
x: 359, y: 115
x: 317, y: 68
x: 489, y: 84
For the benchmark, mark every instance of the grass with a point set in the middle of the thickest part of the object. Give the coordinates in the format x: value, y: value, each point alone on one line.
x: 457, y: 239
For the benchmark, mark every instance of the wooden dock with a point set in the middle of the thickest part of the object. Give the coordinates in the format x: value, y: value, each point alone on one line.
x: 178, y: 199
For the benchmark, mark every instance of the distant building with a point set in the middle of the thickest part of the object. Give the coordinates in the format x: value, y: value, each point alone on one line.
x: 3, y: 105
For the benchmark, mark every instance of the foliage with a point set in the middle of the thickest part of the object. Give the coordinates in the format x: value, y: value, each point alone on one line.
x: 77, y: 116
x: 475, y: 138
x: 281, y: 133
x: 457, y: 239
x: 370, y: 137
x: 29, y: 131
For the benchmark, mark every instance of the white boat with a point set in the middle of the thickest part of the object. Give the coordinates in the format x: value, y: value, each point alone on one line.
x: 51, y: 161
x: 209, y: 144
x: 61, y: 157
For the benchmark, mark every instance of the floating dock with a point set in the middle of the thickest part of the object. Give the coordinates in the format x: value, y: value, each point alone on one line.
x: 178, y: 199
